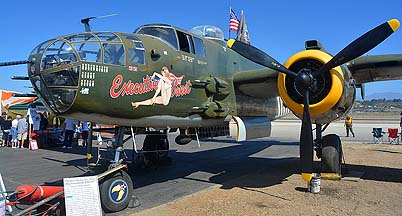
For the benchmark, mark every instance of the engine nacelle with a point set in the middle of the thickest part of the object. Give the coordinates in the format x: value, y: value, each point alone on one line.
x: 333, y: 95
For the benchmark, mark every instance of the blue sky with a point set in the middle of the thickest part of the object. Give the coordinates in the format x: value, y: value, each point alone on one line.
x: 279, y: 28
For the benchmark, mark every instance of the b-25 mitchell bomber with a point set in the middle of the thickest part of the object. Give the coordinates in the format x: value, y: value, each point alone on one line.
x: 166, y: 78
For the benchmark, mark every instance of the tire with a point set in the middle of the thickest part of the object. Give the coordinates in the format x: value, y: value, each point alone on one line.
x: 155, y: 142
x: 331, y: 160
x: 111, y: 199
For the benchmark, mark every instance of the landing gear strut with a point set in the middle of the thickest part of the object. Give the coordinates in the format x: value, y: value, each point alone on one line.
x: 116, y: 191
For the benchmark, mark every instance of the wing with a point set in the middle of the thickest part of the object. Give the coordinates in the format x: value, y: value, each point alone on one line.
x: 376, y: 68
x: 259, y: 83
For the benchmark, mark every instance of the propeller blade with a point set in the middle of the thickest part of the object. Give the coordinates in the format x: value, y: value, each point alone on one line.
x: 2, y: 64
x: 256, y: 55
x: 306, y: 141
x: 362, y: 44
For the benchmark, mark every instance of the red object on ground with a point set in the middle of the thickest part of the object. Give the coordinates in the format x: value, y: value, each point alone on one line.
x: 38, y: 192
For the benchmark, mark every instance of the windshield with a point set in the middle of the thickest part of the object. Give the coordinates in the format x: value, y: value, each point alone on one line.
x: 166, y: 34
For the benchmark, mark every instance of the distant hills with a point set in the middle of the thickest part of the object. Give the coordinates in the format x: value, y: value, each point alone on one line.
x: 384, y: 95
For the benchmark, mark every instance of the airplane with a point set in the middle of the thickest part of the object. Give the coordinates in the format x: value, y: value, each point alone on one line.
x: 162, y: 78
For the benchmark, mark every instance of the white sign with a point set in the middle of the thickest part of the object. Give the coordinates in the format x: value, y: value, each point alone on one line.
x: 33, y: 145
x: 81, y: 196
x: 2, y: 206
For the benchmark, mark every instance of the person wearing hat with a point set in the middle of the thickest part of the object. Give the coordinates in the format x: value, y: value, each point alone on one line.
x: 348, y: 125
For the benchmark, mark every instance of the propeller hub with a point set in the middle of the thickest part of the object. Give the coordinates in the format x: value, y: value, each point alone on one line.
x: 304, y: 80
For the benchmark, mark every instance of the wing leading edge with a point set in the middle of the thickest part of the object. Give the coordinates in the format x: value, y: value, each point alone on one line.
x: 259, y: 83
x: 376, y: 68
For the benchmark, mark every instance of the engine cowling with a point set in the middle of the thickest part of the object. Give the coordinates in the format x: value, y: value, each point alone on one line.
x: 332, y: 96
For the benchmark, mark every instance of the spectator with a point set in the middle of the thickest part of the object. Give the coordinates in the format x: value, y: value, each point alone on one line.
x: 68, y: 133
x: 13, y: 131
x: 349, y: 126
x: 400, y: 123
x: 85, y: 130
x: 6, y: 126
x: 56, y: 122
x: 43, y: 122
x: 22, y: 128
x: 2, y: 119
x: 34, y: 118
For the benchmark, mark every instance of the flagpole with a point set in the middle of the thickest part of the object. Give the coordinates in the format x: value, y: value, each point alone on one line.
x: 230, y: 10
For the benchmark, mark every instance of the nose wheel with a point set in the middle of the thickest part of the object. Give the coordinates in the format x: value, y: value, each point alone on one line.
x: 331, y: 158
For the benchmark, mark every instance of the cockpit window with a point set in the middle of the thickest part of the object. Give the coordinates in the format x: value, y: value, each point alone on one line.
x: 167, y: 35
x: 135, y: 55
x: 186, y: 42
x: 57, y: 54
x: 41, y: 47
x: 114, y: 54
x: 108, y: 36
x: 66, y: 77
x: 89, y: 51
x: 81, y: 37
x: 199, y: 47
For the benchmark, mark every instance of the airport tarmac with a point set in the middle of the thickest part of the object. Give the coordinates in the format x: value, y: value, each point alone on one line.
x: 191, y: 169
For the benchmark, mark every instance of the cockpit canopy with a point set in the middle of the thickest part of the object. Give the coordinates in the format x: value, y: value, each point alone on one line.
x: 208, y: 31
x: 174, y: 37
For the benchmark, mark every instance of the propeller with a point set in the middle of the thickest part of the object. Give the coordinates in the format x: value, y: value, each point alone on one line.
x: 305, y: 79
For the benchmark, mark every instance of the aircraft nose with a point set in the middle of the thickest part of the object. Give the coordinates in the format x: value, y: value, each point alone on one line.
x: 55, y: 74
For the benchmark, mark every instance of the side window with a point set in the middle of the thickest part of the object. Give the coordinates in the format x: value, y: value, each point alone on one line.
x: 185, y: 42
x: 199, y: 47
x: 114, y: 54
x: 136, y: 56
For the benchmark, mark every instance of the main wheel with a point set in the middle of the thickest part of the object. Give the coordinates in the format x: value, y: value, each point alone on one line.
x: 331, y: 160
x: 116, y: 191
x: 156, y: 148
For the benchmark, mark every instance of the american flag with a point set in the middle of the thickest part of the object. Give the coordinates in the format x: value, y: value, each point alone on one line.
x: 234, y: 21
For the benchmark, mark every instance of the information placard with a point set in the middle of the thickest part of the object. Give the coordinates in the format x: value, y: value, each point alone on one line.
x: 82, y: 196
x: 2, y: 206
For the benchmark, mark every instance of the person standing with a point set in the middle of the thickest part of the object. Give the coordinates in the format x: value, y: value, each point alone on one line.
x: 400, y: 123
x: 56, y: 122
x: 22, y: 128
x: 68, y: 133
x: 85, y: 131
x: 349, y: 125
x: 13, y: 131
x: 6, y: 127
x: 2, y: 119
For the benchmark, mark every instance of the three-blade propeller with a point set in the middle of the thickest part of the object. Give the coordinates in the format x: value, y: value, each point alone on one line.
x: 305, y: 78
